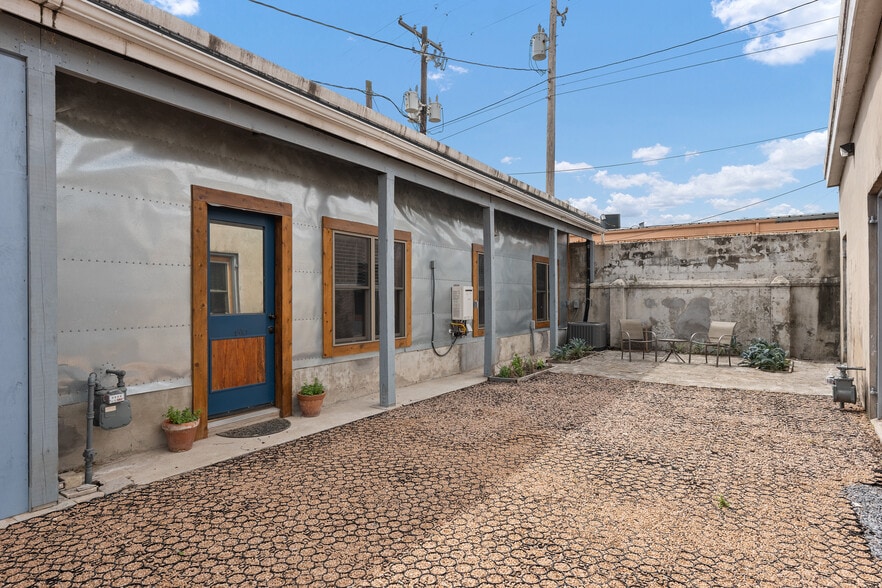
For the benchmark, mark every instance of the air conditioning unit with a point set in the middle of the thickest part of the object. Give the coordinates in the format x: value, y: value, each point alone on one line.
x: 594, y: 333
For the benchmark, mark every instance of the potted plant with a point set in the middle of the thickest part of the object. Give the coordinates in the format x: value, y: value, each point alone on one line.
x: 311, y: 397
x: 180, y: 426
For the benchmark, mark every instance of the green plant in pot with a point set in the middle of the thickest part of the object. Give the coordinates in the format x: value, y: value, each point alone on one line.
x: 310, y: 398
x: 181, y: 426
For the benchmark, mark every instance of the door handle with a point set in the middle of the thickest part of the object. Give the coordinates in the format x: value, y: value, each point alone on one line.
x: 270, y: 329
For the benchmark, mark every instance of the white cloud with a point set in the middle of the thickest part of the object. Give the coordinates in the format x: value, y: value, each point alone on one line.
x: 691, y: 155
x: 509, y: 159
x: 443, y: 78
x: 788, y: 210
x: 733, y: 13
x: 648, y: 154
x: 566, y: 166
x: 588, y: 204
x: 724, y: 188
x: 178, y: 7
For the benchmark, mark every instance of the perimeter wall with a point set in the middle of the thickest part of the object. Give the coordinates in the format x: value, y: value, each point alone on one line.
x: 779, y: 287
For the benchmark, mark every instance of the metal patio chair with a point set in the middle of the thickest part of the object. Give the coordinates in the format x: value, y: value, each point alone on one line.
x: 720, y: 336
x: 635, y: 336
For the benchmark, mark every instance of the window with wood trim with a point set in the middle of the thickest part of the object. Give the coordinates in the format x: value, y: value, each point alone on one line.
x: 223, y: 275
x: 351, y: 282
x: 540, y: 292
x: 478, y: 289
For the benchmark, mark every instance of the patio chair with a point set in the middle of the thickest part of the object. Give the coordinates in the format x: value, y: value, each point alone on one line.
x: 720, y: 336
x: 635, y: 336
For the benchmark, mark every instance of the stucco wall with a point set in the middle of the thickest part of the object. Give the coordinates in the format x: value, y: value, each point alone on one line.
x: 781, y: 287
x: 859, y: 189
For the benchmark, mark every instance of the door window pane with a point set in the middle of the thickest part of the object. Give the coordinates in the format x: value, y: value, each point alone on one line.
x: 240, y: 249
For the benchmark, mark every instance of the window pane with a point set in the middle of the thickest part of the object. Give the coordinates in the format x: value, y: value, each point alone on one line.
x: 351, y: 288
x: 399, y: 265
x: 541, y: 291
x: 218, y: 288
x: 399, y: 312
x: 398, y: 296
x: 541, y: 277
x: 242, y: 248
x: 481, y: 290
x: 351, y: 259
x: 351, y: 318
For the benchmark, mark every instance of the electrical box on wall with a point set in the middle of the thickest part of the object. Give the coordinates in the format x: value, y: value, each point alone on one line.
x: 461, y: 302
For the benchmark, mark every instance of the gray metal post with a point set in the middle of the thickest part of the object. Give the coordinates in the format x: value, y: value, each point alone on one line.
x: 489, y: 290
x: 43, y: 281
x: 386, y: 259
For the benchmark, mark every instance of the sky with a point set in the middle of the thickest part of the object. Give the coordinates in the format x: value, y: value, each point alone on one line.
x: 667, y: 112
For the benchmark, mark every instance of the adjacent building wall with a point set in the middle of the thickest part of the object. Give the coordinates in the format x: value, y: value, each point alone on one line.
x: 782, y: 287
x: 125, y: 168
x: 860, y: 186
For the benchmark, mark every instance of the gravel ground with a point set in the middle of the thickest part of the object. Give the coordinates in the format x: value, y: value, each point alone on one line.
x: 564, y: 480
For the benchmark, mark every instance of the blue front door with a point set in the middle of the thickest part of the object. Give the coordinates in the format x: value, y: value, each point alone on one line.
x: 241, y: 305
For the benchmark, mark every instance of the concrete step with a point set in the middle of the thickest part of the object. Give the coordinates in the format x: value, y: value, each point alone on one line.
x: 224, y: 424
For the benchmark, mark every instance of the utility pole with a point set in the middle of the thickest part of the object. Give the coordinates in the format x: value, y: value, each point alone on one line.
x: 368, y: 94
x: 550, y: 132
x: 437, y: 59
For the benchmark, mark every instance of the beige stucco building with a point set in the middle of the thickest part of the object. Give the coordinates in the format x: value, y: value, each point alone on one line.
x: 854, y: 164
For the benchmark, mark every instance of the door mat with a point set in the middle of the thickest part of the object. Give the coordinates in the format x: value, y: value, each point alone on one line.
x: 258, y: 429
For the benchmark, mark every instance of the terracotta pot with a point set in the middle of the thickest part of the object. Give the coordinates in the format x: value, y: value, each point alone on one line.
x: 311, y: 404
x: 180, y: 437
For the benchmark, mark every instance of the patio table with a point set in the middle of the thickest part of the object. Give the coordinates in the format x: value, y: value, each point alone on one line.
x: 672, y: 348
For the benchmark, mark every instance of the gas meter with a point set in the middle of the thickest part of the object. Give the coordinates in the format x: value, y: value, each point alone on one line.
x: 112, y: 407
x: 843, y: 386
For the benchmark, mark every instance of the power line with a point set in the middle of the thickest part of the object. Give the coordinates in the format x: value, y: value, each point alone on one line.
x: 692, y: 42
x: 363, y: 91
x: 759, y: 201
x: 381, y: 41
x: 649, y: 75
x: 680, y: 156
x: 611, y: 64
x: 510, y: 68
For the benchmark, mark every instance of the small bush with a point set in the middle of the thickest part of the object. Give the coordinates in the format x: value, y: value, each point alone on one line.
x: 574, y: 349
x: 519, y: 367
x: 766, y: 356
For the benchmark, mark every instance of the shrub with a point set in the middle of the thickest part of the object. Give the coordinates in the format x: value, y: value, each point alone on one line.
x: 574, y: 349
x: 766, y: 356
x: 519, y: 367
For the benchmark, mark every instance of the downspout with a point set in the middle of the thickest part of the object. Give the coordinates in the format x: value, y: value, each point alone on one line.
x: 589, y: 271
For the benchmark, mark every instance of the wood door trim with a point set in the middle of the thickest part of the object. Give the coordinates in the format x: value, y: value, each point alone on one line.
x: 202, y: 198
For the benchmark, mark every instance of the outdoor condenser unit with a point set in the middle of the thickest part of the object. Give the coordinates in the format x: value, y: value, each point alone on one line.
x: 593, y: 333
